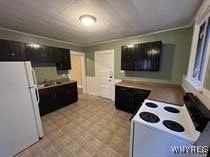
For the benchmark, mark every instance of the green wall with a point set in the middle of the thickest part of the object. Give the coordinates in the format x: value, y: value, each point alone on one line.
x: 43, y: 71
x: 50, y: 73
x: 174, y: 57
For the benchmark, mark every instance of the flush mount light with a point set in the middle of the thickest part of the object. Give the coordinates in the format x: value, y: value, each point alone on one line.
x: 87, y: 20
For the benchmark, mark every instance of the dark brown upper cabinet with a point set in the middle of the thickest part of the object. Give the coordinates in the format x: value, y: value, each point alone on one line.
x: 11, y: 51
x: 141, y: 57
x: 64, y: 61
x: 18, y: 51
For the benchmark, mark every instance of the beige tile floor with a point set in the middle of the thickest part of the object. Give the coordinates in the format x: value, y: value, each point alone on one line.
x: 92, y: 127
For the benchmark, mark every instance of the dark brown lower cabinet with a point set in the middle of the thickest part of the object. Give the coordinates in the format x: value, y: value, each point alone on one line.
x: 129, y: 99
x: 72, y: 93
x: 53, y: 98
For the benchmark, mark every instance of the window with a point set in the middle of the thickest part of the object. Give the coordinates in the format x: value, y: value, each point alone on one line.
x: 200, y: 60
x: 199, y: 53
x: 204, y: 56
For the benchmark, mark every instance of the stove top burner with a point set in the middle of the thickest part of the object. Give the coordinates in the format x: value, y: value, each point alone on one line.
x: 171, y: 109
x: 152, y: 105
x: 172, y: 125
x: 149, y: 117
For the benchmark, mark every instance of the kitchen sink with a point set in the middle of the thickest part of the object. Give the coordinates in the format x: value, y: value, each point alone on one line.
x: 50, y: 83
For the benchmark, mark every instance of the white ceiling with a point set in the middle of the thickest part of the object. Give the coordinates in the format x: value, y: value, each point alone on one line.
x: 59, y: 19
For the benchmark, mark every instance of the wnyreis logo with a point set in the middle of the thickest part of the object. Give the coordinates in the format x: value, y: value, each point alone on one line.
x: 189, y: 149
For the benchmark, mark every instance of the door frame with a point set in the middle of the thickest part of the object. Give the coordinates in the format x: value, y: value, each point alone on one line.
x: 82, y: 55
x: 113, y: 82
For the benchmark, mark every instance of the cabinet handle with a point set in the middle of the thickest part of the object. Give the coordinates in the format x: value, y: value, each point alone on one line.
x: 37, y: 95
x: 46, y: 57
x: 53, y: 96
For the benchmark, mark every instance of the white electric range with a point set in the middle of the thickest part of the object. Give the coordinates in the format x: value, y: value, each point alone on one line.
x: 158, y: 127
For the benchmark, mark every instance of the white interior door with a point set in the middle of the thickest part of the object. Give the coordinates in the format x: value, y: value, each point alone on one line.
x: 104, y: 72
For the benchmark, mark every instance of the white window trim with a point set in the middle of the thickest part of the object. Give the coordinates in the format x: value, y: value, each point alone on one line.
x: 205, y: 71
x: 199, y: 85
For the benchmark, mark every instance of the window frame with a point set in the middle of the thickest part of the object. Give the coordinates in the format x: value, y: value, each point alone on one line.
x: 194, y: 82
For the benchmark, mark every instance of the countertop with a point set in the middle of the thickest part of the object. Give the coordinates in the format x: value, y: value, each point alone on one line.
x: 161, y: 92
x: 62, y: 82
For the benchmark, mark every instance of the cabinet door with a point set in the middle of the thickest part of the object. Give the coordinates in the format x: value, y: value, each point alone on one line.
x: 122, y: 99
x: 67, y: 59
x: 138, y: 96
x: 51, y: 54
x: 60, y: 94
x: 46, y: 101
x: 150, y: 54
x: 72, y: 93
x: 35, y: 53
x: 22, y: 54
x: 59, y: 60
x: 11, y: 51
x: 124, y: 57
x: 64, y: 62
x: 129, y: 57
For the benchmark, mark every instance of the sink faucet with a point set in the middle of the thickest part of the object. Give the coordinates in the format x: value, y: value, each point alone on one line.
x: 45, y: 81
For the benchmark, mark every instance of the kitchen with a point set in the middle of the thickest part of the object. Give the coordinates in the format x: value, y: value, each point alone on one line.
x: 135, y: 67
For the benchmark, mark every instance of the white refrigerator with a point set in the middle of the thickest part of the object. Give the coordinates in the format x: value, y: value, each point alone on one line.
x: 20, y: 122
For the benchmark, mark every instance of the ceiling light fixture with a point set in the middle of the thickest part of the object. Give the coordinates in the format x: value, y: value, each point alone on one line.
x: 87, y: 20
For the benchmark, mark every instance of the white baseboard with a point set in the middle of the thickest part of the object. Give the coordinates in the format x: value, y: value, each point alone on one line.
x: 79, y: 86
x: 92, y: 86
x: 203, y: 95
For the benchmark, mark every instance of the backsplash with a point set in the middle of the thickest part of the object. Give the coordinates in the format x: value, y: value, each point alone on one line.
x: 49, y: 73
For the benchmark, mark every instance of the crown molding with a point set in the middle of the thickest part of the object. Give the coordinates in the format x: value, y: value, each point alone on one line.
x: 142, y: 35
x: 102, y: 42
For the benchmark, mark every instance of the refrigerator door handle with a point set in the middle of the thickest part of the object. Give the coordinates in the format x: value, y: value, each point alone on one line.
x: 37, y: 94
x: 34, y: 77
